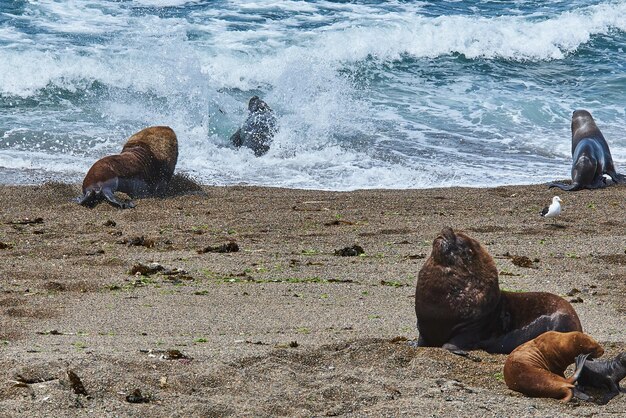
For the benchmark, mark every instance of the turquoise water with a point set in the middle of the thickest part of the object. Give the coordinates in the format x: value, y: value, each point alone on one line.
x: 368, y: 94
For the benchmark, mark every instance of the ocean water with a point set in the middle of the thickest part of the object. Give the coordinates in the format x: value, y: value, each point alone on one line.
x: 368, y: 94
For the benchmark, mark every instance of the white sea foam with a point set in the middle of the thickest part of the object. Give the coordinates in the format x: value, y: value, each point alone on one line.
x: 319, y: 65
x: 261, y: 54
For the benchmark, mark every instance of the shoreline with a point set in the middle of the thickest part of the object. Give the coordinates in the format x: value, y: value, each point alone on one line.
x: 77, y: 185
x: 283, y: 326
x: 77, y: 180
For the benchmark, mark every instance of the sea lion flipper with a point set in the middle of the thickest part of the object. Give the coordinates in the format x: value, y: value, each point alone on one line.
x: 455, y: 350
x: 617, y: 178
x: 89, y: 199
x: 581, y: 395
x: 580, y: 363
x: 598, y: 184
x: 108, y: 194
x: 566, y: 187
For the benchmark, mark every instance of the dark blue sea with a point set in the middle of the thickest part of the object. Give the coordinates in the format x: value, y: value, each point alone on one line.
x: 368, y: 94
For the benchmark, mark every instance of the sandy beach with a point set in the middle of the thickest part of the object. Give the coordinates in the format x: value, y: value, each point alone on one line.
x: 284, y: 326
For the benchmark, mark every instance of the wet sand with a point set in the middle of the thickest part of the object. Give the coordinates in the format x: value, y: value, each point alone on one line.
x: 282, y: 327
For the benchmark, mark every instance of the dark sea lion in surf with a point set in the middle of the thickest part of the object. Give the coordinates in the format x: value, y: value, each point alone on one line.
x: 258, y: 129
x: 590, y: 154
x: 537, y: 368
x: 143, y: 168
x: 603, y: 374
x: 459, y: 305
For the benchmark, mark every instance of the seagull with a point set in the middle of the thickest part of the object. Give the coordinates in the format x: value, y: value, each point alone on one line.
x: 553, y: 210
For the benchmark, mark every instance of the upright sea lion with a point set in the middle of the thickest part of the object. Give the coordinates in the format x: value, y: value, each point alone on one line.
x: 258, y: 129
x: 537, y: 367
x: 143, y: 168
x: 590, y: 154
x: 604, y: 374
x: 459, y: 305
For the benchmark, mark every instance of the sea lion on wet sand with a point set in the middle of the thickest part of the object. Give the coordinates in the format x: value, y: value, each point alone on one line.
x: 590, y: 154
x: 537, y: 367
x: 604, y: 374
x: 143, y: 168
x: 459, y: 305
x: 258, y: 129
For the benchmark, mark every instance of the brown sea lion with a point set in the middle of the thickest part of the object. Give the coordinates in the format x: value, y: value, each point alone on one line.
x: 459, y: 305
x: 143, y: 168
x: 537, y: 367
x: 590, y: 154
x: 604, y: 374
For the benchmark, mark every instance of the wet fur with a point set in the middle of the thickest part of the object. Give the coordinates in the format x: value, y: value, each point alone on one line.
x: 143, y: 168
x: 258, y: 129
x: 459, y: 305
x: 537, y: 367
x: 604, y: 374
x: 591, y: 157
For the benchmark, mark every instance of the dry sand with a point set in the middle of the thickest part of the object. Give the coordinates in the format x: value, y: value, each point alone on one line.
x: 283, y: 327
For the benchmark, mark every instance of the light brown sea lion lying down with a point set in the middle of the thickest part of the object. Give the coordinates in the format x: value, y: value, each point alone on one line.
x: 537, y: 367
x: 143, y: 168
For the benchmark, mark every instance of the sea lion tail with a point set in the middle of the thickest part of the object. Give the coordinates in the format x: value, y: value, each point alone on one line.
x: 580, y: 362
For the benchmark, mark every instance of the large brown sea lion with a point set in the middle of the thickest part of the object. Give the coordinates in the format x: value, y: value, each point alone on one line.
x: 537, y: 367
x: 143, y: 168
x: 590, y: 154
x: 459, y: 305
x: 604, y: 374
x: 259, y: 128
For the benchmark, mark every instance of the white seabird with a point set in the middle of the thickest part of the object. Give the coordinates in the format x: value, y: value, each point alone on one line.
x: 553, y: 210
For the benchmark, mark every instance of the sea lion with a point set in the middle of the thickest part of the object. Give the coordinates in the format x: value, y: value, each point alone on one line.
x: 590, y: 154
x: 143, y: 168
x: 604, y: 374
x: 459, y: 305
x: 537, y: 367
x: 258, y: 129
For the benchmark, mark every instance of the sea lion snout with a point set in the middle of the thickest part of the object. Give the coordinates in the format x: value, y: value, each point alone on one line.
x: 448, y: 234
x: 443, y: 245
x: 455, y: 248
x: 598, y: 352
x: 253, y: 104
x: 586, y: 344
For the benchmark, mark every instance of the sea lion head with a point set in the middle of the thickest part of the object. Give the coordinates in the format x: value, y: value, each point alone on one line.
x: 460, y: 252
x: 571, y: 343
x: 582, y: 121
x: 257, y: 105
x: 588, y: 345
